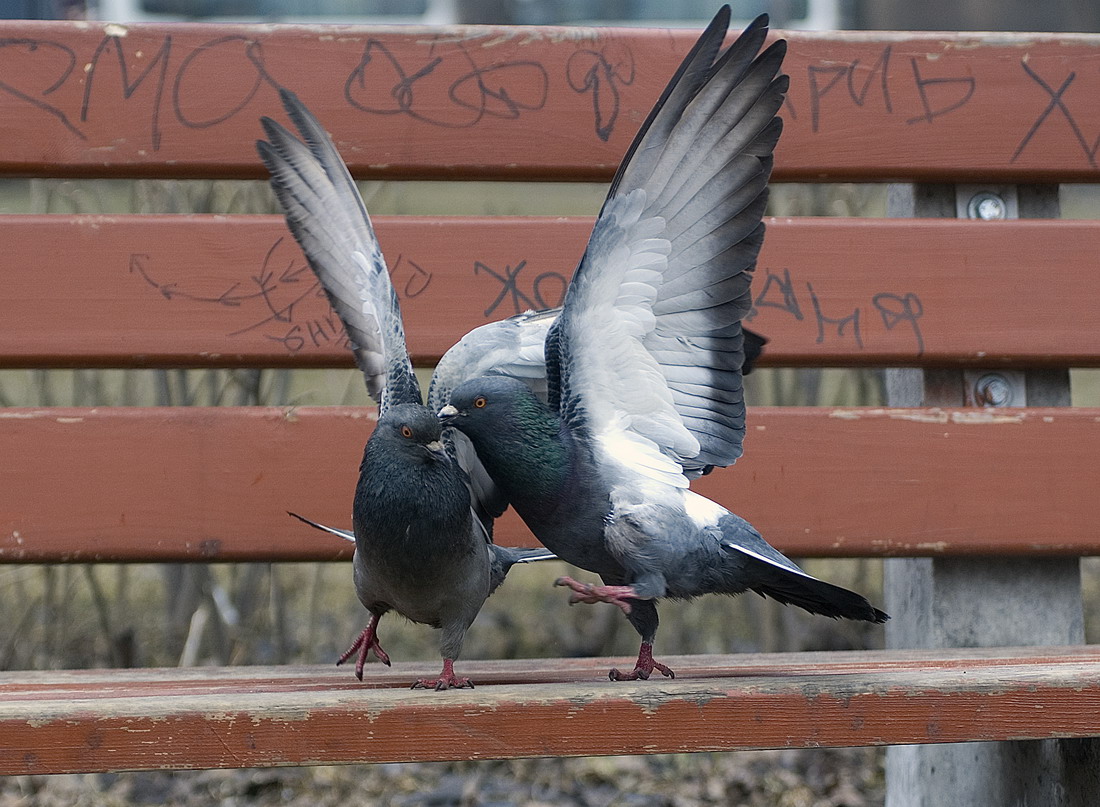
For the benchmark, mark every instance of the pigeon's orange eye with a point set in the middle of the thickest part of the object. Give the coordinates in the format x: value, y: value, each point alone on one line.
x: 480, y: 401
x: 406, y: 431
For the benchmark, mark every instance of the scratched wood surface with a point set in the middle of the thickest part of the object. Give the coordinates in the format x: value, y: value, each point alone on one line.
x: 80, y: 721
x: 230, y: 291
x: 161, y: 484
x: 183, y: 100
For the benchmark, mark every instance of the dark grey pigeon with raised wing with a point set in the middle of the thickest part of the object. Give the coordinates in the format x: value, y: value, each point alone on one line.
x: 423, y: 508
x: 645, y: 362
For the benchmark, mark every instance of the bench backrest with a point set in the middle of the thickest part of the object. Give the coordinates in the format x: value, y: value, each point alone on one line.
x: 182, y: 101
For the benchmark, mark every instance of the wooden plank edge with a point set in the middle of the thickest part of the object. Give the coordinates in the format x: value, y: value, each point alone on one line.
x: 1008, y: 701
x: 142, y: 682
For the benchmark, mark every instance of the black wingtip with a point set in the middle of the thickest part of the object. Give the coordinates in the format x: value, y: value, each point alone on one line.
x: 289, y: 98
x: 303, y: 519
x: 761, y: 21
x: 345, y: 534
x: 268, y: 157
x: 276, y: 149
x: 300, y: 116
x: 721, y: 18
x: 776, y: 50
x: 753, y: 346
x: 294, y: 107
x: 274, y: 130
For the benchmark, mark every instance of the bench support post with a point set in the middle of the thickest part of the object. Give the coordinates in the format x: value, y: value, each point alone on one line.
x: 984, y: 602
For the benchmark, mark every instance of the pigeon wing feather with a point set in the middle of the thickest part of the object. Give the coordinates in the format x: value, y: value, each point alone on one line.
x: 327, y: 216
x: 647, y: 355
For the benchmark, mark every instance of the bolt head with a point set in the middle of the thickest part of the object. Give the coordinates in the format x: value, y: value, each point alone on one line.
x: 993, y: 389
x: 987, y: 207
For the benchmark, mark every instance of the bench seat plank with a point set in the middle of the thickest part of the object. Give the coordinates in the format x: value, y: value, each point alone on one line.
x: 183, y: 100
x: 120, y: 720
x: 234, y: 290
x: 192, y: 483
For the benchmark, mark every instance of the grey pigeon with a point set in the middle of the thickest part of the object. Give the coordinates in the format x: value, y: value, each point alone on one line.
x: 645, y: 362
x: 423, y: 506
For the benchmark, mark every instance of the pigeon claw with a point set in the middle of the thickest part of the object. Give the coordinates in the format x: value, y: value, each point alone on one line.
x: 364, y: 643
x: 643, y: 668
x: 588, y: 593
x: 446, y: 680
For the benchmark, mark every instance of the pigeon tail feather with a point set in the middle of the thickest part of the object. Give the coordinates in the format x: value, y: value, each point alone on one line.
x: 816, y: 596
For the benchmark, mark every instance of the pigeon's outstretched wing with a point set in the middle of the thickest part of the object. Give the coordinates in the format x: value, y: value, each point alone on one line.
x: 647, y: 354
x: 327, y: 217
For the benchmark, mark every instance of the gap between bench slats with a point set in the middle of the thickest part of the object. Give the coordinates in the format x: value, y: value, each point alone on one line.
x: 161, y: 484
x: 229, y: 291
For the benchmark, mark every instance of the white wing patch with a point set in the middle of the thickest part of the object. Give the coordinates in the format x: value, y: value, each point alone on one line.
x: 702, y: 511
x: 626, y: 399
x: 640, y: 455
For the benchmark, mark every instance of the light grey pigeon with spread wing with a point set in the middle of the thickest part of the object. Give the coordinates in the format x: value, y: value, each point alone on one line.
x: 645, y: 362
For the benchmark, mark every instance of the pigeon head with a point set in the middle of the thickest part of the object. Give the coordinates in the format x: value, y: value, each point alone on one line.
x: 492, y: 405
x: 516, y: 435
x: 413, y: 431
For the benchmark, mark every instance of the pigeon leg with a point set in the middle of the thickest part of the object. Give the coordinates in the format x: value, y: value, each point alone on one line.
x: 588, y: 593
x: 367, y: 641
x: 446, y: 679
x: 643, y: 668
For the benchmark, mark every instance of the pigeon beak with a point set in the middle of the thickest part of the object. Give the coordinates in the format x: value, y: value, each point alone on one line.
x: 447, y: 414
x: 438, y: 451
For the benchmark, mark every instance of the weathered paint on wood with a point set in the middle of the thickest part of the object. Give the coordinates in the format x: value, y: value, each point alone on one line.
x: 231, y: 291
x: 183, y: 100
x: 125, y: 720
x: 159, y: 484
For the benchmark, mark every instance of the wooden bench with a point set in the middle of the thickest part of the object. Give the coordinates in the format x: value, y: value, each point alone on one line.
x: 934, y: 478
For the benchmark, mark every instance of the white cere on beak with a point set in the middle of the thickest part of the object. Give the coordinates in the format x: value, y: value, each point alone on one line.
x: 448, y: 411
x: 437, y: 447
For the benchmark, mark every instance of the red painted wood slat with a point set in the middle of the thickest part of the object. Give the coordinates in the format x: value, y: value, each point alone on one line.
x: 230, y: 291
x: 184, y: 100
x: 164, y: 484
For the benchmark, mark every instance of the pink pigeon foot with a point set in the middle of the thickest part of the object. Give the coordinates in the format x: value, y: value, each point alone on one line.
x: 643, y: 668
x: 588, y: 593
x: 367, y: 641
x: 446, y: 679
